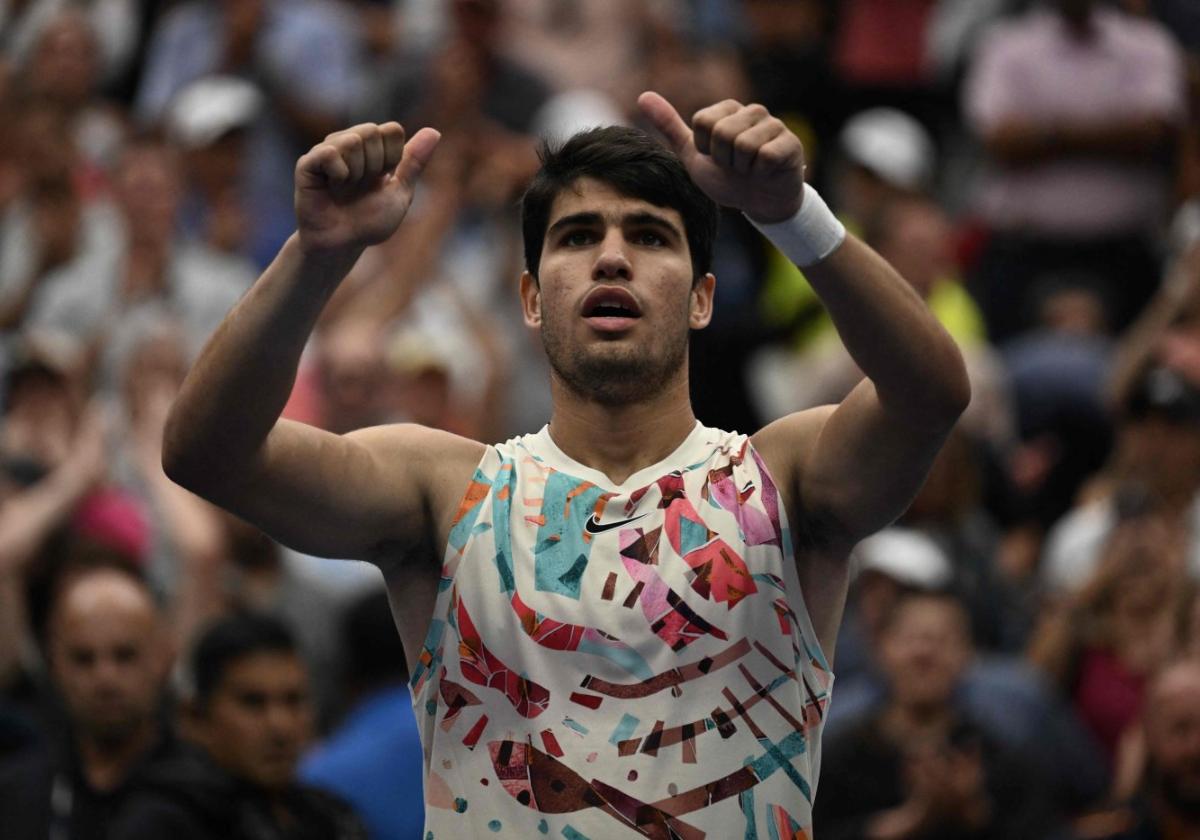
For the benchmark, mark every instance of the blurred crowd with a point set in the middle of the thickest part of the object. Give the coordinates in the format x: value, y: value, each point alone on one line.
x: 1020, y: 657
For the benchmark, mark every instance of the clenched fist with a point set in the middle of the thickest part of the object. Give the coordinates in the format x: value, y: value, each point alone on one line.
x: 740, y: 155
x: 353, y: 189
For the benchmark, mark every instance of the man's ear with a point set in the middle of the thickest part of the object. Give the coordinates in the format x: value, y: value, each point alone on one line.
x: 531, y: 300
x: 701, y: 310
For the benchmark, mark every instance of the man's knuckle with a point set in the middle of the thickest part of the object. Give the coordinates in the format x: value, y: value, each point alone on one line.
x: 745, y: 145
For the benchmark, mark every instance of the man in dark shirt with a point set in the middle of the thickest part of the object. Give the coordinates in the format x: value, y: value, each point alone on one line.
x: 1168, y: 806
x: 251, y: 715
x: 917, y: 767
x: 108, y: 663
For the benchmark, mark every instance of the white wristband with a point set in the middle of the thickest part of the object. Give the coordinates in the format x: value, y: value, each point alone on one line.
x: 808, y: 237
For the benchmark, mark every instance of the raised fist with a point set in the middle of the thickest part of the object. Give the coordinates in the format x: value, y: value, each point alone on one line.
x: 740, y: 155
x: 354, y: 188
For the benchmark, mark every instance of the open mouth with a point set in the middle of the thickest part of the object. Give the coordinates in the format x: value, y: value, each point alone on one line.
x: 611, y: 309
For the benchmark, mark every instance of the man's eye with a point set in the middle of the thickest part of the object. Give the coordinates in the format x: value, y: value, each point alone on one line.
x: 649, y: 237
x: 578, y: 237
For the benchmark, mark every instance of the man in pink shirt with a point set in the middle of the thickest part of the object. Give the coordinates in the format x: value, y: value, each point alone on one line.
x: 1077, y: 106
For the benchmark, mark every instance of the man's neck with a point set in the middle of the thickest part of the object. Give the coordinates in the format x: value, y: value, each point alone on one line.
x: 106, y: 765
x: 620, y: 440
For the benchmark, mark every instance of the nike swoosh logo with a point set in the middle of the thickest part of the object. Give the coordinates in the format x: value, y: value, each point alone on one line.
x: 594, y: 527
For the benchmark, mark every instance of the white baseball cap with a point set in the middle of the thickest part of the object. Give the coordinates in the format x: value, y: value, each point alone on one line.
x: 891, y: 144
x: 906, y: 556
x: 208, y: 108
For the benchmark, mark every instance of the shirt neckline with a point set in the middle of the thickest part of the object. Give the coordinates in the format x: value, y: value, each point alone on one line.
x: 550, y: 454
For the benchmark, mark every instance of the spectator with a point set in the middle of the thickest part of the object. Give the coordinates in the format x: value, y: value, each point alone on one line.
x: 1001, y: 694
x: 108, y: 656
x: 889, y: 565
x: 1102, y: 647
x: 1168, y: 804
x: 251, y: 716
x: 115, y: 23
x: 56, y: 234
x: 196, y: 282
x: 373, y: 759
x: 917, y: 766
x: 467, y: 79
x: 262, y: 41
x: 914, y: 235
x: 1154, y: 388
x: 62, y: 67
x: 1058, y: 372
x: 1154, y: 475
x: 1077, y: 106
x: 210, y: 121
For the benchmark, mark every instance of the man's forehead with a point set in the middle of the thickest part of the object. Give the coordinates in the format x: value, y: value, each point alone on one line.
x: 591, y: 195
x: 104, y: 598
x: 264, y: 669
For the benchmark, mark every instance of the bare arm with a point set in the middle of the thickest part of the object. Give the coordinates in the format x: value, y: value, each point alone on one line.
x: 28, y: 518
x: 1018, y: 143
x: 333, y: 495
x: 859, y: 465
x: 849, y: 470
x: 872, y: 452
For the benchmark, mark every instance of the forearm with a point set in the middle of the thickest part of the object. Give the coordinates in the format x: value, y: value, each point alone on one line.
x: 14, y: 310
x: 917, y: 370
x: 236, y: 390
x: 28, y: 519
x: 1019, y: 143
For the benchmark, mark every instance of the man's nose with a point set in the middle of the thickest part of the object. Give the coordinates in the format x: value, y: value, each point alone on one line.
x: 612, y: 261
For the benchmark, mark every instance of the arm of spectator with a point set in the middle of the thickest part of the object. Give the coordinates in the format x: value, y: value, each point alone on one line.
x: 482, y: 421
x: 1136, y: 351
x: 1016, y: 142
x: 55, y: 243
x: 192, y: 525
x: 28, y: 518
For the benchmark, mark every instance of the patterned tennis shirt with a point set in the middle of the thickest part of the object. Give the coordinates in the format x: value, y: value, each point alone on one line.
x: 610, y: 661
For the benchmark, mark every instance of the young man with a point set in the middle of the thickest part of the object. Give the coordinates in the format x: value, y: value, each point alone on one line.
x: 108, y: 658
x: 251, y: 714
x: 611, y: 626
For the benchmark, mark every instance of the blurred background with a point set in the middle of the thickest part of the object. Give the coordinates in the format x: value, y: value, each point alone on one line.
x: 1032, y: 168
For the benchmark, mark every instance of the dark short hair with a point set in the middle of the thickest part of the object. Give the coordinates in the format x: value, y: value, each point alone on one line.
x: 634, y: 164
x: 229, y: 640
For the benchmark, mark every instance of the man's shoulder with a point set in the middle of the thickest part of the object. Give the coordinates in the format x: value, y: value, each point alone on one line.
x: 336, y: 818
x: 181, y: 787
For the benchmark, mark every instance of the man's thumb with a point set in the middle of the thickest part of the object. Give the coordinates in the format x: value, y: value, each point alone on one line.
x: 417, y: 153
x: 666, y: 119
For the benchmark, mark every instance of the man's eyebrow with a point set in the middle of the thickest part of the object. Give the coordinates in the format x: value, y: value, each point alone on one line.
x: 632, y: 219
x: 645, y: 218
x: 584, y: 218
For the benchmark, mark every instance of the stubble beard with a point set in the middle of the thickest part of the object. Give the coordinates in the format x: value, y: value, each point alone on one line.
x: 613, y: 375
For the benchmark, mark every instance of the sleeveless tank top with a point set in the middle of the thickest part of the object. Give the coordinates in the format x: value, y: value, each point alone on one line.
x: 610, y: 661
